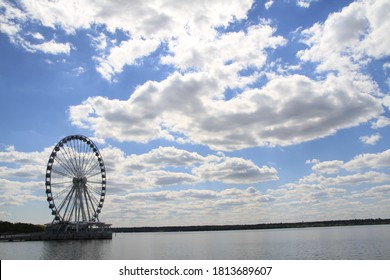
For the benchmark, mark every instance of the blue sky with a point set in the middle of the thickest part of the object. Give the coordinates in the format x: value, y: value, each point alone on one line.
x: 205, y: 112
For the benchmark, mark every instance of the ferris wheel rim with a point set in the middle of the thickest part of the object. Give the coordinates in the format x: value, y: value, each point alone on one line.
x: 75, y: 165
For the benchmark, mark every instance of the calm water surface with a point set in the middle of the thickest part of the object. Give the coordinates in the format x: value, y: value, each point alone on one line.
x: 353, y: 242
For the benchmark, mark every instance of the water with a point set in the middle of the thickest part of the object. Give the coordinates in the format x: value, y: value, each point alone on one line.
x: 334, y: 243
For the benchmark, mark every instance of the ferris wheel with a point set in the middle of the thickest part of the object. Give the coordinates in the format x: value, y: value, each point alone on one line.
x: 75, y: 181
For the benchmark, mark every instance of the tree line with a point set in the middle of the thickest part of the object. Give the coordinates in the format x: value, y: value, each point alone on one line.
x: 355, y: 222
x: 12, y: 228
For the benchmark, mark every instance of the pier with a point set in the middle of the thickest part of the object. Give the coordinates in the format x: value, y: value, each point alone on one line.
x: 42, y: 236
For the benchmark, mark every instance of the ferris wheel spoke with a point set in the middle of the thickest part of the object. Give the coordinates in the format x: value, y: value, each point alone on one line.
x: 66, y: 159
x: 93, y: 200
x: 92, y: 168
x: 83, y: 156
x: 63, y: 163
x: 84, y: 208
x: 59, y: 184
x: 66, y: 200
x: 62, y: 173
x: 69, y: 154
x: 62, y: 192
x: 88, y: 158
x: 83, y: 151
x: 66, y: 163
x: 90, y: 165
x: 94, y: 189
x: 70, y: 206
x: 86, y: 152
x: 76, y: 155
x: 72, y: 210
x: 96, y: 173
x: 87, y: 204
x: 78, y: 152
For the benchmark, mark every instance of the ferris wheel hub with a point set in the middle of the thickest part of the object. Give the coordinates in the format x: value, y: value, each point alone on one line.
x: 80, y: 180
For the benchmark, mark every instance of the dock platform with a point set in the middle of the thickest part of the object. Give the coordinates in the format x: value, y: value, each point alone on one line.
x: 43, y: 236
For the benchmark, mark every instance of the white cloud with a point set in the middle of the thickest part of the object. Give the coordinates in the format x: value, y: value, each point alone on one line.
x: 165, y: 157
x: 305, y: 3
x: 268, y: 4
x: 386, y: 101
x: 371, y: 139
x: 168, y: 166
x: 380, y: 122
x: 37, y: 36
x: 218, y: 56
x: 67, y: 15
x: 363, y: 161
x: 9, y: 21
x: 190, y: 207
x: 12, y: 156
x: 312, y: 161
x: 235, y: 171
x: 193, y: 106
x: 146, y: 23
x: 127, y: 53
x: 18, y: 192
x: 354, y: 179
x: 22, y: 172
x: 328, y: 167
x: 11, y: 24
x: 346, y: 38
x: 78, y: 70
x: 386, y: 66
x: 50, y: 47
x: 374, y: 192
x: 138, y: 187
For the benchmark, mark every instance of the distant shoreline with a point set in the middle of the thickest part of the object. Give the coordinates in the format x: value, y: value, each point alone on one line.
x: 18, y: 228
x: 332, y: 223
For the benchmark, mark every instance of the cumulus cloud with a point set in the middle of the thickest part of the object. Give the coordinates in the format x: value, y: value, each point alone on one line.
x: 374, y: 160
x: 328, y: 167
x: 50, y: 47
x: 189, y: 207
x: 380, y: 122
x: 346, y: 38
x: 13, y: 19
x: 170, y: 166
x: 78, y: 71
x: 374, y: 192
x: 236, y: 171
x: 268, y: 4
x: 12, y: 156
x: 127, y: 53
x: 138, y: 186
x: 360, y: 162
x: 305, y: 3
x: 354, y: 179
x: 218, y: 55
x: 142, y: 178
x: 371, y: 139
x: 192, y: 105
x: 146, y: 24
